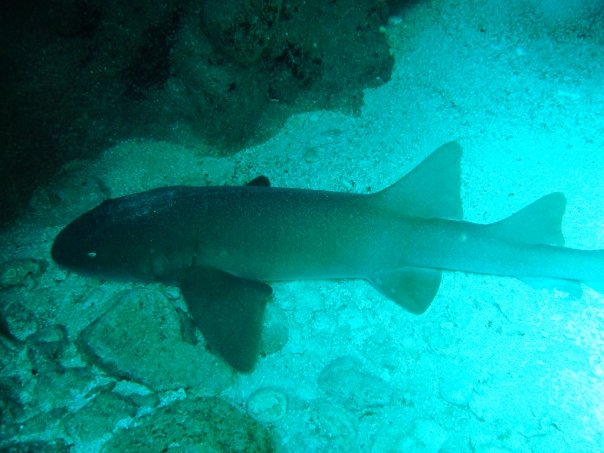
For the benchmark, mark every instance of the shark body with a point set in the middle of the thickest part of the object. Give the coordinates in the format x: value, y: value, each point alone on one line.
x: 222, y: 245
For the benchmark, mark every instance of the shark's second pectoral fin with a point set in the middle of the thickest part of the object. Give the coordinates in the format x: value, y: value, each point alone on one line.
x: 228, y: 310
x: 412, y: 288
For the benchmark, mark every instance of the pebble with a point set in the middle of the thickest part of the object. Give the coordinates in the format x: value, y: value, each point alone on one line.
x: 456, y: 387
x: 172, y: 292
x: 17, y: 321
x: 267, y: 405
x: 18, y: 272
x: 311, y: 155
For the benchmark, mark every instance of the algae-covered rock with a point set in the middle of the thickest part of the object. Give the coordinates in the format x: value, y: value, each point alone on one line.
x: 203, y: 424
x: 17, y: 322
x: 140, y: 339
x: 20, y: 272
x: 241, y: 30
x: 53, y: 446
x: 98, y: 417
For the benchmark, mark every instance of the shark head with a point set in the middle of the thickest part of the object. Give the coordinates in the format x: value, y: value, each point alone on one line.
x: 101, y: 244
x: 82, y: 245
x: 130, y: 238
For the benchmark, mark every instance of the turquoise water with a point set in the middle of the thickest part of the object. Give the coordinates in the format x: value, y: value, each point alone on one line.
x: 493, y: 365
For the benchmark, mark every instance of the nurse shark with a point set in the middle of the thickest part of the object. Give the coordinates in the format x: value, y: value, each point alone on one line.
x: 223, y: 245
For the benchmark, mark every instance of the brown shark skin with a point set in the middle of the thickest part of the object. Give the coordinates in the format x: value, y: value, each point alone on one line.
x: 221, y: 245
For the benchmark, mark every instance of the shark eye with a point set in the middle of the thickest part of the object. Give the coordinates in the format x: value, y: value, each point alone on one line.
x: 91, y: 254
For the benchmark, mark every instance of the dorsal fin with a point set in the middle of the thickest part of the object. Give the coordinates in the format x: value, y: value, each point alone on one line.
x: 538, y: 223
x: 429, y: 190
x: 261, y: 181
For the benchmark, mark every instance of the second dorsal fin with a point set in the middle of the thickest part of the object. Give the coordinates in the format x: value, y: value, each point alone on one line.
x: 538, y: 223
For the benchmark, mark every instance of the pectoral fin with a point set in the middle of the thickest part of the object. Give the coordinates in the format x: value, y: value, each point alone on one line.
x: 412, y: 288
x: 228, y: 310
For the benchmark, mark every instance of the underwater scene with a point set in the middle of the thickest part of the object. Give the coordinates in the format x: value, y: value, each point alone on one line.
x: 302, y: 226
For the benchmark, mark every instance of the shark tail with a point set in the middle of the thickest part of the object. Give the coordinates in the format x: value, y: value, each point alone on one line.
x: 432, y: 190
x: 540, y: 223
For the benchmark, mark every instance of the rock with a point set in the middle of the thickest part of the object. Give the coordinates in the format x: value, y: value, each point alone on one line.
x: 333, y: 428
x: 139, y: 394
x: 98, y: 417
x: 456, y: 387
x: 12, y: 409
x: 10, y: 353
x: 311, y: 154
x: 202, y: 424
x: 267, y: 405
x: 17, y: 321
x: 241, y: 30
x: 172, y: 292
x: 52, y: 342
x: 404, y: 433
x: 275, y: 333
x: 344, y: 380
x: 140, y: 339
x: 54, y: 333
x: 53, y: 446
x: 20, y: 272
x: 60, y: 388
x: 46, y: 422
x: 427, y: 435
